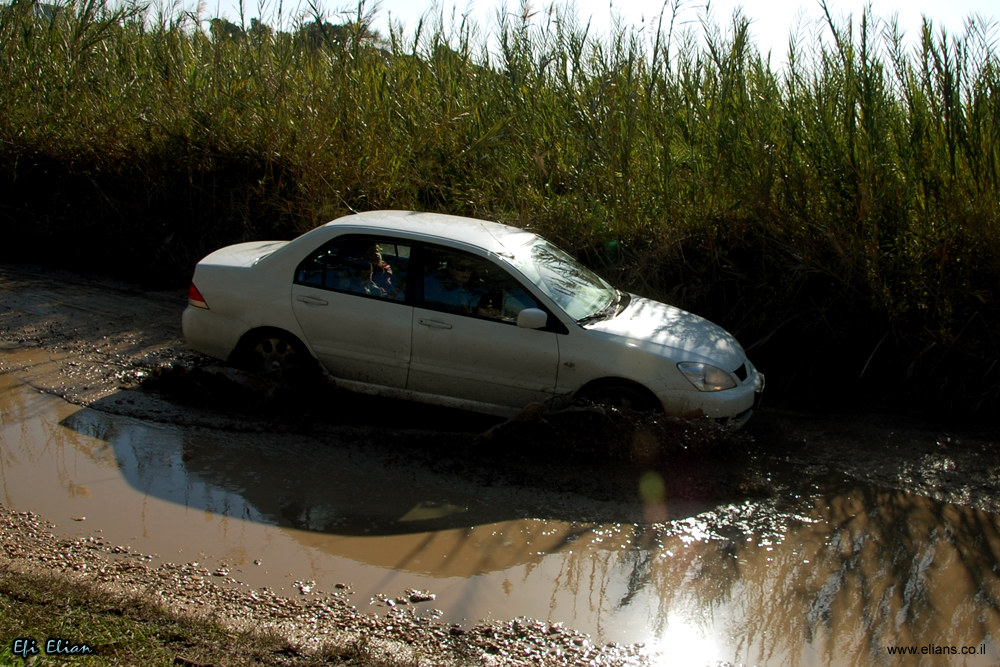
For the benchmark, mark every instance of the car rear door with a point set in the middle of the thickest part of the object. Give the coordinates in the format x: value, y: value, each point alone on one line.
x: 466, y: 343
x: 349, y: 297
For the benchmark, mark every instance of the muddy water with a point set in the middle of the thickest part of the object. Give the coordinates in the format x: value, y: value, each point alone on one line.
x: 832, y: 572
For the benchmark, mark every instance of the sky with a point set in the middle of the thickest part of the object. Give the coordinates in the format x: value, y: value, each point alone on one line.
x: 770, y: 27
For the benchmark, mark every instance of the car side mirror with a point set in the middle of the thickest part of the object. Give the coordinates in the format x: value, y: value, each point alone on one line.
x: 532, y: 318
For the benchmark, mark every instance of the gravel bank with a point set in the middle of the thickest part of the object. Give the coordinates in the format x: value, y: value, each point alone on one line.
x: 30, y: 546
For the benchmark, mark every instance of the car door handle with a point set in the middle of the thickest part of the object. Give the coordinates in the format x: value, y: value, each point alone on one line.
x: 433, y: 324
x: 312, y: 300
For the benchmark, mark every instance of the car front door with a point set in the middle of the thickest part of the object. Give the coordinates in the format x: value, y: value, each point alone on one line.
x: 349, y: 297
x: 466, y: 343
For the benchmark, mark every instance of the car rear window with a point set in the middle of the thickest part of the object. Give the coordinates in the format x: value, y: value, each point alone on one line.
x: 362, y: 265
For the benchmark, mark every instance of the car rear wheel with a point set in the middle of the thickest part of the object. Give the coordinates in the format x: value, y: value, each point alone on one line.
x: 272, y: 350
x: 621, y: 396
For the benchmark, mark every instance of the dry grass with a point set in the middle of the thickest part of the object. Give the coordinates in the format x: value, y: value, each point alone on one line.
x: 129, y: 630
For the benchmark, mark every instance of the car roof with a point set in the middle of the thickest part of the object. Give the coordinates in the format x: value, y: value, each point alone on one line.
x: 491, y: 236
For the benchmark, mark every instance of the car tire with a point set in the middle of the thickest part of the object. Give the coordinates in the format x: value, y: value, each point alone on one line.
x: 272, y: 350
x: 621, y: 396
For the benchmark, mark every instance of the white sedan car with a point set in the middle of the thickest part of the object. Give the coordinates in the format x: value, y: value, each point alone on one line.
x: 463, y: 313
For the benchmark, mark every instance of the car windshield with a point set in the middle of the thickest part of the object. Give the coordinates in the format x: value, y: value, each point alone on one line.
x: 578, y: 290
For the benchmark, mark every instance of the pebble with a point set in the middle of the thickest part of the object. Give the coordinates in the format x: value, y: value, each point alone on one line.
x: 519, y: 642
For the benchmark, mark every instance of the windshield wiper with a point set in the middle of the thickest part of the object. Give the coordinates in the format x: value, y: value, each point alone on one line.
x: 624, y: 299
x: 608, y: 312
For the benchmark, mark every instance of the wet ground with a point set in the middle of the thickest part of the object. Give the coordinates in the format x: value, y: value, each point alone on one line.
x: 808, y: 539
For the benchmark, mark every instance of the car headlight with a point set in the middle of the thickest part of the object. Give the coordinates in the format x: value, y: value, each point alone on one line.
x: 706, y: 377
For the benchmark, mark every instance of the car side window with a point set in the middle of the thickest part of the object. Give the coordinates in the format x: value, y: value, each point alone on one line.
x: 362, y: 265
x: 461, y: 283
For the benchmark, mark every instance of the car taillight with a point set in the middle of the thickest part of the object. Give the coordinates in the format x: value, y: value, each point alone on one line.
x: 195, y: 298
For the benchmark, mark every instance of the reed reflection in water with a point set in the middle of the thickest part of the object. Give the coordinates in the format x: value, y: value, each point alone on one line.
x: 859, y: 569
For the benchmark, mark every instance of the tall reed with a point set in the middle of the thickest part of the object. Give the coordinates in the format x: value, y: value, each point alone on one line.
x: 838, y: 212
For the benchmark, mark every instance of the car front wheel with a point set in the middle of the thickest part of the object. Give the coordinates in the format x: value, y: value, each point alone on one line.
x: 621, y: 396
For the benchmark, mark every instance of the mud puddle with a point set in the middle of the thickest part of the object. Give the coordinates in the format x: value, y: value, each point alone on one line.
x: 823, y: 571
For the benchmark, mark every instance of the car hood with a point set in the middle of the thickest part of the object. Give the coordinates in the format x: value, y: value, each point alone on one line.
x: 672, y: 332
x: 243, y: 254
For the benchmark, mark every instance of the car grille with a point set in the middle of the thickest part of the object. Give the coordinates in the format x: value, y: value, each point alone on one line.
x: 741, y: 372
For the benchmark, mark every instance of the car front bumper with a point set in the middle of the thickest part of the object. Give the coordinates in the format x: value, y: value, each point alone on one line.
x: 734, y: 405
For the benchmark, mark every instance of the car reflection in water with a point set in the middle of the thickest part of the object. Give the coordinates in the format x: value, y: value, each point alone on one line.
x: 307, y: 485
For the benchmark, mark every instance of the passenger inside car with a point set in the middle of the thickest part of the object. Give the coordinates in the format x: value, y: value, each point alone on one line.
x: 474, y: 286
x: 381, y: 271
x: 451, y: 283
x: 361, y: 279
